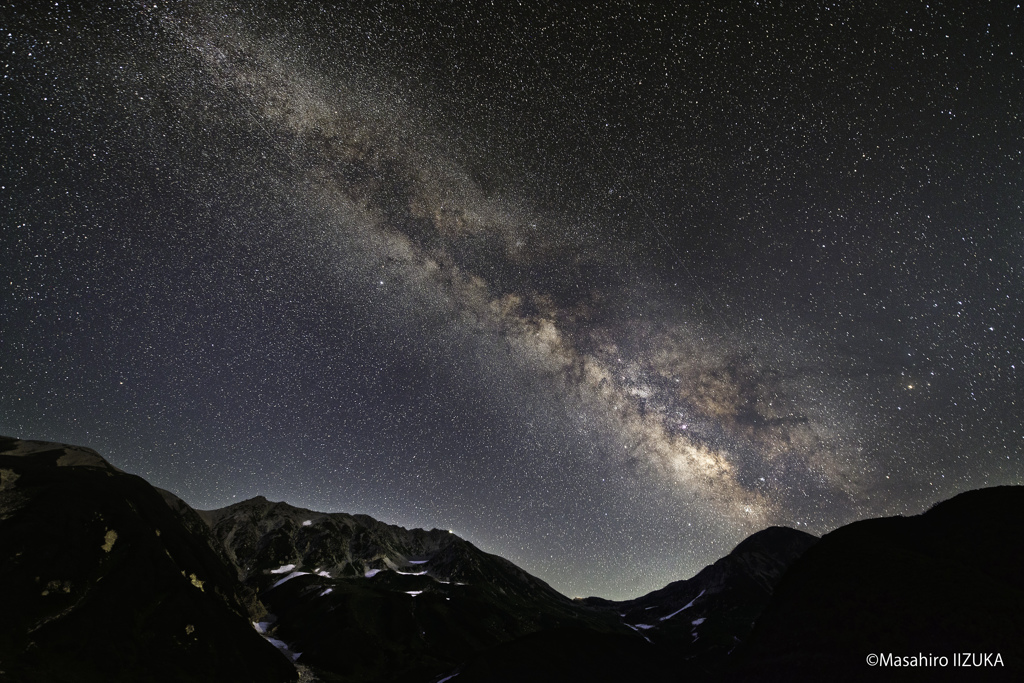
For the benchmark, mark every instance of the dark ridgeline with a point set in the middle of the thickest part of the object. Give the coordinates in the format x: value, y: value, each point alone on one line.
x: 106, y: 578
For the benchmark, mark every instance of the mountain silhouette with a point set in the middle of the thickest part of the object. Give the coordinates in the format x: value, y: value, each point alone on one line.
x: 107, y: 578
x: 102, y: 580
x: 944, y: 582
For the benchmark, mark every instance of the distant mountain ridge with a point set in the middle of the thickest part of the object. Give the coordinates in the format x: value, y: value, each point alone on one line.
x: 258, y: 533
x: 408, y: 603
x: 107, y: 578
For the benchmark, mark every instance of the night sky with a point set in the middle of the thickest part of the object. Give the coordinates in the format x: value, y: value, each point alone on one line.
x: 601, y: 290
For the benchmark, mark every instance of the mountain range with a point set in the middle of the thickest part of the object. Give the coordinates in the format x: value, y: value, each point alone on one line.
x: 107, y: 578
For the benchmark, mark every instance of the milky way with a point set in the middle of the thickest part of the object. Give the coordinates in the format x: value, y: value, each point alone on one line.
x: 603, y: 291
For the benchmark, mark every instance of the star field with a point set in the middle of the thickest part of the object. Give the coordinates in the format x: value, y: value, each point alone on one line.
x: 603, y: 290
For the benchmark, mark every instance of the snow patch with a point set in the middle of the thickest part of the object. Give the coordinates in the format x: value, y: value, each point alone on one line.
x: 289, y: 577
x: 448, y: 678
x: 307, y: 522
x: 283, y: 569
x: 326, y: 591
x: 283, y: 647
x: 418, y: 561
x: 686, y: 606
x: 370, y: 573
x: 422, y: 573
x: 413, y: 593
x: 263, y: 626
x: 644, y: 626
x: 324, y: 573
x: 638, y: 631
x: 698, y: 622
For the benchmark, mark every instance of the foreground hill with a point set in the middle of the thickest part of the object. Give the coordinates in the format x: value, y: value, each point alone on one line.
x: 102, y: 581
x: 947, y: 582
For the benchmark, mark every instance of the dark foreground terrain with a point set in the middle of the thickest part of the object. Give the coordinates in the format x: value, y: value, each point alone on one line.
x: 106, y: 578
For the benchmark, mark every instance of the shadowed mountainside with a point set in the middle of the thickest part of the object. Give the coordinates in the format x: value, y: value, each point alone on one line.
x: 943, y: 582
x: 103, y: 582
x: 364, y: 600
x: 688, y: 627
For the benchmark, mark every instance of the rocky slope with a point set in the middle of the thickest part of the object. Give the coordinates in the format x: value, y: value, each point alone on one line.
x: 367, y: 601
x: 102, y: 581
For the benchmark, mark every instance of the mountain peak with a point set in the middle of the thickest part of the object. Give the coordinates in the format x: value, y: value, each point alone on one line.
x: 774, y: 540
